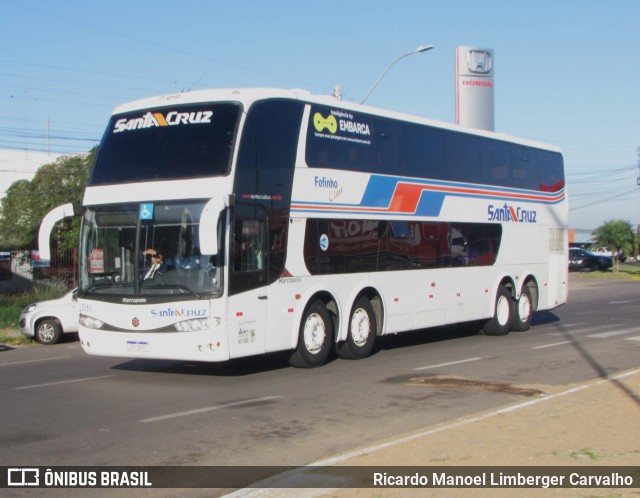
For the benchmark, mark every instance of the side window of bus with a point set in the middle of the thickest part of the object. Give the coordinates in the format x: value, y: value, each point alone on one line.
x: 463, y: 157
x: 551, y: 171
x: 475, y: 244
x: 249, y: 246
x: 496, y: 168
x: 525, y: 167
x: 424, y: 152
x: 248, y: 255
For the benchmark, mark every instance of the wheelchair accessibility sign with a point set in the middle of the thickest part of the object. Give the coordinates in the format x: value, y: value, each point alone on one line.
x: 146, y: 211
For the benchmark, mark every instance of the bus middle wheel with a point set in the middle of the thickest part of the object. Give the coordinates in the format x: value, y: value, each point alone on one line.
x: 314, y: 338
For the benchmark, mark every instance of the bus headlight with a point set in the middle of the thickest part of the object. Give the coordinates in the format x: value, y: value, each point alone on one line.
x: 197, y: 324
x: 91, y: 323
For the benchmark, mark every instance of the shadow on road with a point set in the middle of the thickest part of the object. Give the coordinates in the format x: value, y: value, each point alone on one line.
x: 595, y: 365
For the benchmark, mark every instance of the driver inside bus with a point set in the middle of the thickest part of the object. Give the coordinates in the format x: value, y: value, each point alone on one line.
x: 158, y: 267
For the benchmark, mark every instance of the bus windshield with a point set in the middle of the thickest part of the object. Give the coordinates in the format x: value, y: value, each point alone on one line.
x: 193, y: 141
x: 146, y: 250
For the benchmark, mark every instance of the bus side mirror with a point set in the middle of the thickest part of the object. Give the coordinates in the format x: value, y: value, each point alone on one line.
x: 208, y: 234
x: 48, y: 222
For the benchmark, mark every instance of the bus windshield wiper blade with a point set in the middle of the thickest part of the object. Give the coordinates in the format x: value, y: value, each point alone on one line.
x: 172, y: 286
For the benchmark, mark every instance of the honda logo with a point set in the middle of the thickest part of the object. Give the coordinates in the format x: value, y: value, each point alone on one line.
x: 479, y: 61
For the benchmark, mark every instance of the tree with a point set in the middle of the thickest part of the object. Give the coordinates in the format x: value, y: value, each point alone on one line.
x: 26, y: 202
x: 617, y: 235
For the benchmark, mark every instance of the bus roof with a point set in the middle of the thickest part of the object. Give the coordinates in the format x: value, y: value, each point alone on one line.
x: 247, y: 96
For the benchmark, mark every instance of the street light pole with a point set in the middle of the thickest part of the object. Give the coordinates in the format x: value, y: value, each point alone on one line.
x: 420, y: 49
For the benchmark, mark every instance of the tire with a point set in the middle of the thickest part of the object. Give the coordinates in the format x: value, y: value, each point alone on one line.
x: 522, y: 311
x: 500, y: 324
x: 48, y: 332
x: 315, y: 337
x: 362, y: 332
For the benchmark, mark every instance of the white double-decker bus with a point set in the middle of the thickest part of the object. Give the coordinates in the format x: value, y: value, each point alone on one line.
x: 227, y: 223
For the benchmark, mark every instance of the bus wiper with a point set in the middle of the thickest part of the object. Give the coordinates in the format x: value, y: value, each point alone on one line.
x: 172, y: 286
x: 98, y: 286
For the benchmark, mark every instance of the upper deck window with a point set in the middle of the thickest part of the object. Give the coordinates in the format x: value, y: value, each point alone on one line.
x: 170, y: 143
x: 368, y: 143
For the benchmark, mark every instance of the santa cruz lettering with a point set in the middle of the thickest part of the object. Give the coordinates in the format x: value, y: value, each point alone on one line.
x: 152, y: 119
x: 511, y: 214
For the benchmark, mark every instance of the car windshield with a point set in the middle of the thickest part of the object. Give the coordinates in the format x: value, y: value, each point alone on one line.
x: 146, y: 249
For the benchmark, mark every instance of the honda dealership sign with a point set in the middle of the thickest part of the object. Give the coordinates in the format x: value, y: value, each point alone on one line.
x: 474, y: 87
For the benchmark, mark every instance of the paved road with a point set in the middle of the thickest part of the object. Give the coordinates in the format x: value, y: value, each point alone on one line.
x: 61, y: 407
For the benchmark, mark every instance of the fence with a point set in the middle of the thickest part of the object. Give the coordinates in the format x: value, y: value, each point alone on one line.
x: 19, y: 270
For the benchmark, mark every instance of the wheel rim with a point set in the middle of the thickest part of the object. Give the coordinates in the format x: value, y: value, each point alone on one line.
x: 46, y: 332
x: 502, y: 310
x: 315, y: 333
x: 360, y: 327
x: 524, y: 308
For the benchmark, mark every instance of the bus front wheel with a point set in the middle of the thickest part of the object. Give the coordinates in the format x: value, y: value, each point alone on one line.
x: 362, y: 332
x: 315, y: 337
x: 500, y: 324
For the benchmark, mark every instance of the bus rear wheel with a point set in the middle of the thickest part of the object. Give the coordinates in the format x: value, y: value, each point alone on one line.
x: 500, y: 324
x: 523, y: 311
x: 362, y: 332
x: 315, y: 337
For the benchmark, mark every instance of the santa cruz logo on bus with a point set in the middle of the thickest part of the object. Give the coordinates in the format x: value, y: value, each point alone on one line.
x: 172, y: 118
x: 184, y: 312
x: 339, y: 120
x: 510, y: 213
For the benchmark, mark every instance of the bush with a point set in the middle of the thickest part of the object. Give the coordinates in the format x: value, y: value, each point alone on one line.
x: 11, y: 305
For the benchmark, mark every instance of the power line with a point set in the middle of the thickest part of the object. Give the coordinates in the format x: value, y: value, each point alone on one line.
x: 169, y: 48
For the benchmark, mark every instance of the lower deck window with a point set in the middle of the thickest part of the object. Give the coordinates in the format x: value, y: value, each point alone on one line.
x: 351, y: 246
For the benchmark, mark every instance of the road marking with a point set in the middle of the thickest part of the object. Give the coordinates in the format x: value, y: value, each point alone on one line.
x: 552, y: 345
x: 624, y: 302
x: 208, y: 409
x: 575, y: 332
x: 48, y: 384
x: 636, y: 338
x: 613, y: 333
x: 32, y: 361
x: 449, y: 363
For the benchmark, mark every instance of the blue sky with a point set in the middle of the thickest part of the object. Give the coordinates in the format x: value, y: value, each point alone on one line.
x: 566, y: 71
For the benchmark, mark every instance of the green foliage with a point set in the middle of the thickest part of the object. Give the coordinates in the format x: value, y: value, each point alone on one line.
x: 11, y: 305
x: 617, y: 235
x: 9, y: 316
x: 26, y: 202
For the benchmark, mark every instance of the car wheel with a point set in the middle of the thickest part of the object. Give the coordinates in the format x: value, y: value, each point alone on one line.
x: 48, y: 332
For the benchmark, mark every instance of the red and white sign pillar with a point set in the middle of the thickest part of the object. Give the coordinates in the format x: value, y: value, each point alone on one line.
x: 474, y: 87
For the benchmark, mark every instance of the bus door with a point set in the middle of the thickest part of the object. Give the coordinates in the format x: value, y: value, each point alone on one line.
x: 248, y: 289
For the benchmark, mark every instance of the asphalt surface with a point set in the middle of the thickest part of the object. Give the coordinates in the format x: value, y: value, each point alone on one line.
x: 62, y: 407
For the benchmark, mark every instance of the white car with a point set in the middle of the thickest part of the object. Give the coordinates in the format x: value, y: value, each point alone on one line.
x: 604, y: 251
x: 48, y: 320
